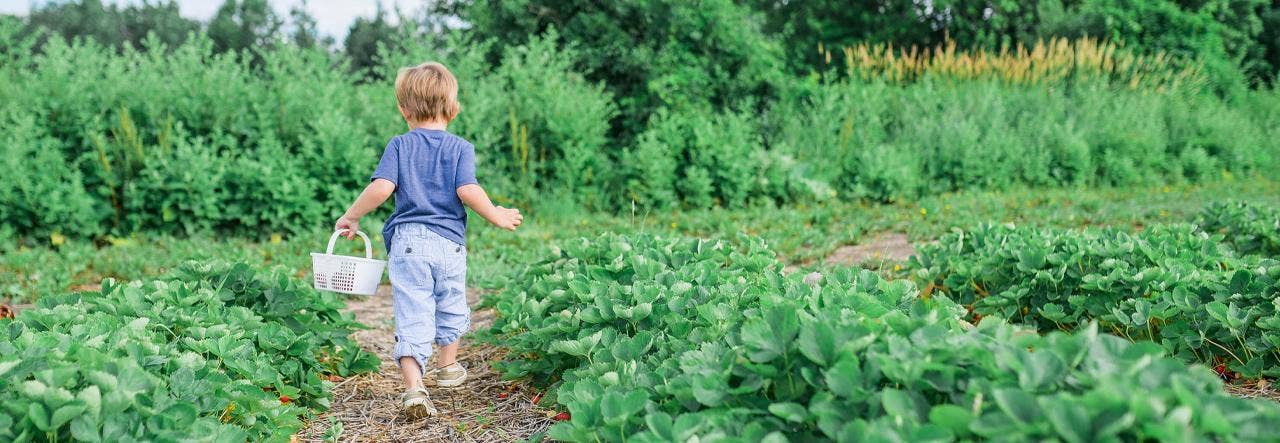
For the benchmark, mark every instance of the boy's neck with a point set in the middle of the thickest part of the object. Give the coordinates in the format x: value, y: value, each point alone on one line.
x: 437, y: 125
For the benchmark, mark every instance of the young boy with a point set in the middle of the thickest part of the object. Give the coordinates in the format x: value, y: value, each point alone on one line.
x: 432, y: 174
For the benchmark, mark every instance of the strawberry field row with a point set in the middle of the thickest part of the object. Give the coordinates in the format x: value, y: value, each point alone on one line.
x: 1249, y: 229
x: 211, y: 353
x: 1173, y: 285
x: 648, y: 339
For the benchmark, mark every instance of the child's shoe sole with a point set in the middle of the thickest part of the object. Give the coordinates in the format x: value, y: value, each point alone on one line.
x: 419, y: 411
x: 417, y: 404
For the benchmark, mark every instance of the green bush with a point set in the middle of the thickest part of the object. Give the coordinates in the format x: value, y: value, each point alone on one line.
x: 649, y: 339
x: 648, y: 54
x: 1172, y: 285
x: 893, y: 142
x: 220, y: 352
x: 180, y: 140
x: 42, y: 193
x: 704, y: 159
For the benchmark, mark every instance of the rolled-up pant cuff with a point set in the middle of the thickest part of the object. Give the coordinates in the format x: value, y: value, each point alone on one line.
x: 421, y: 352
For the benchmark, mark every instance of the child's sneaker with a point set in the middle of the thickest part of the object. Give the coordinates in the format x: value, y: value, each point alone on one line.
x: 417, y: 404
x: 450, y: 376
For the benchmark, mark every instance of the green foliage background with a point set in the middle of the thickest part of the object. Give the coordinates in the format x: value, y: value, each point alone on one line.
x: 133, y: 119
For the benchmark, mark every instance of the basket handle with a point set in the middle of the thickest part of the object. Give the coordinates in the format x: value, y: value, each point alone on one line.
x: 368, y: 247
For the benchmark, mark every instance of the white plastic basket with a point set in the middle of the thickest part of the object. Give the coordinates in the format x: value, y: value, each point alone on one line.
x: 347, y: 274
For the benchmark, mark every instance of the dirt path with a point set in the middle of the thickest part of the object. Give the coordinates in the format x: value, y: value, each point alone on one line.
x: 883, y: 247
x: 367, y: 406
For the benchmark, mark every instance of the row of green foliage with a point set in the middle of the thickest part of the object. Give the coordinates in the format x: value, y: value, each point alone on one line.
x: 649, y: 339
x: 848, y: 139
x: 743, y: 51
x: 1170, y: 284
x: 184, y: 140
x: 181, y: 140
x: 1249, y: 228
x: 215, y: 352
x: 886, y: 142
x: 803, y: 234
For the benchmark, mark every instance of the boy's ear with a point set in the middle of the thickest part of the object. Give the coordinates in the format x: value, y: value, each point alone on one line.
x: 402, y: 112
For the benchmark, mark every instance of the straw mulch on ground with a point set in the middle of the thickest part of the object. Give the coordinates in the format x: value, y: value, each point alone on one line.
x: 1261, y: 388
x: 367, y: 406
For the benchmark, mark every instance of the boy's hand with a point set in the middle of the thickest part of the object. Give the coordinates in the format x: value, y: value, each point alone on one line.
x: 507, y: 218
x: 350, y: 224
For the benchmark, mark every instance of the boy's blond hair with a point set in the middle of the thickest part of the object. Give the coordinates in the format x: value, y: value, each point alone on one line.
x: 427, y: 92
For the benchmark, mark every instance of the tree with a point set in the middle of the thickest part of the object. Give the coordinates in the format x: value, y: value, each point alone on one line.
x: 111, y: 25
x: 1269, y: 39
x: 244, y: 24
x: 363, y: 38
x: 650, y: 53
x: 304, y: 32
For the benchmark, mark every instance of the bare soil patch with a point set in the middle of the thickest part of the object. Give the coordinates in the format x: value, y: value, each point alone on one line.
x: 368, y: 406
x: 880, y: 248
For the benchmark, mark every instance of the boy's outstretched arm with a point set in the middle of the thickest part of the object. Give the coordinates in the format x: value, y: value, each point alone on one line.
x: 475, y: 198
x: 373, y: 195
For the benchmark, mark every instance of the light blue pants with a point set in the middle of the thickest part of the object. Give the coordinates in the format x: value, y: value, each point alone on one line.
x: 428, y: 290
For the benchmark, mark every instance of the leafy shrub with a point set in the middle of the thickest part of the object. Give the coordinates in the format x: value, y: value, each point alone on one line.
x: 893, y: 142
x: 41, y: 193
x: 1172, y: 285
x: 1250, y: 229
x: 181, y: 140
x: 222, y: 352
x: 649, y: 54
x: 650, y: 339
x: 703, y: 159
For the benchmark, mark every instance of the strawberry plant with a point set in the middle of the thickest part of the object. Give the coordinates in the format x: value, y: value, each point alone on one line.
x: 648, y: 339
x: 190, y: 358
x: 1250, y: 229
x: 1171, y: 285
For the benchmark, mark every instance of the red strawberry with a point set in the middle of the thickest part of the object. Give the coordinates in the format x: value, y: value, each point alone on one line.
x: 1224, y: 373
x: 503, y: 395
x: 563, y: 416
x: 284, y: 399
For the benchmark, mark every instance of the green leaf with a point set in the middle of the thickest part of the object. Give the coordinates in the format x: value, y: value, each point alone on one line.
x: 617, y: 408
x: 660, y: 424
x: 952, y: 417
x: 709, y: 389
x: 788, y: 411
x: 817, y: 342
x: 898, y: 403
x: 65, y: 414
x: 687, y: 426
x: 84, y: 428
x: 39, y: 417
x: 1017, y: 404
x: 1069, y: 419
x: 762, y: 344
x: 92, y: 399
x: 775, y: 437
x: 845, y: 378
x: 1040, y: 370
x: 6, y: 366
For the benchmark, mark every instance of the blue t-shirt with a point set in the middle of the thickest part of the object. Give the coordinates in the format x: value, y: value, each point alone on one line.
x: 428, y: 166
